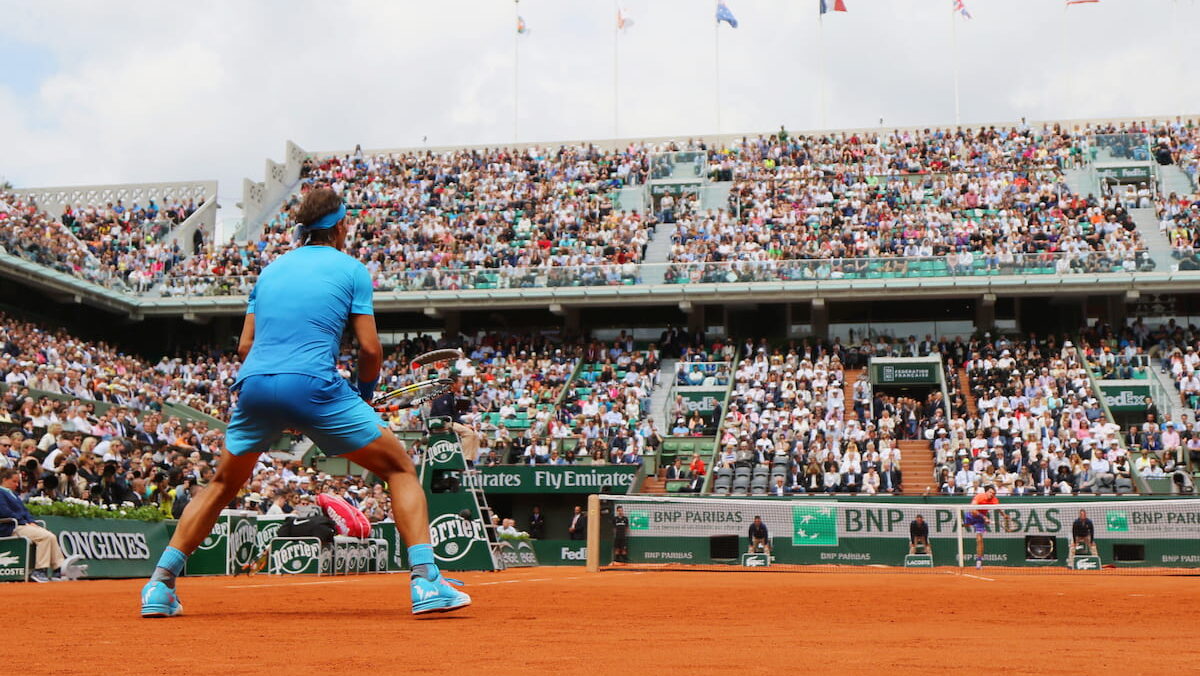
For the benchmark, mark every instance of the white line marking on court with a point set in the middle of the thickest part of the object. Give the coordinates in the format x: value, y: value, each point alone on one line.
x: 286, y: 584
x: 978, y: 577
x: 1137, y: 594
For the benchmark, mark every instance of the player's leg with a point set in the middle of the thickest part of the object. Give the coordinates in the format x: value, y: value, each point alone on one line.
x: 1071, y: 553
x: 978, y: 548
x: 252, y: 429
x: 201, y: 513
x: 1092, y: 546
x: 386, y: 458
x: 158, y: 596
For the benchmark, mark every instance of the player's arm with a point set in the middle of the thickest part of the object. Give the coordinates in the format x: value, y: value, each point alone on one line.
x: 370, y: 351
x: 247, y: 339
x: 362, y: 322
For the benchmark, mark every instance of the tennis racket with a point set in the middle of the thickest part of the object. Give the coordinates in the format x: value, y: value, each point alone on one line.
x: 256, y: 564
x: 413, y: 394
x: 1010, y: 526
x: 436, y: 356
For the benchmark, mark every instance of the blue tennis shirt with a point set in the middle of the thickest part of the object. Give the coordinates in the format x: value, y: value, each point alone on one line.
x: 301, y: 304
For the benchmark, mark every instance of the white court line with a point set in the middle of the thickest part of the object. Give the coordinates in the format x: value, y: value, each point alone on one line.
x: 1137, y: 594
x: 978, y: 577
x: 285, y: 584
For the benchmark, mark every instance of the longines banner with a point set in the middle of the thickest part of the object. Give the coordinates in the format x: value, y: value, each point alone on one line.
x: 112, y: 547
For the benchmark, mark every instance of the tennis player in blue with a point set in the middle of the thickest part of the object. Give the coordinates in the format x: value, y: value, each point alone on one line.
x: 299, y: 308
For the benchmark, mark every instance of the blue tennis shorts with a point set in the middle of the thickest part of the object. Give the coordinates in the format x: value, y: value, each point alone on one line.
x: 331, y: 413
x: 972, y: 519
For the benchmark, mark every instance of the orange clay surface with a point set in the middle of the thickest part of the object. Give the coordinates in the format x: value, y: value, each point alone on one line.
x: 566, y: 621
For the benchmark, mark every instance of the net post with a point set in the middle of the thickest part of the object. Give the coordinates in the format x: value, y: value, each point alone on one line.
x: 593, y: 533
x: 959, y: 518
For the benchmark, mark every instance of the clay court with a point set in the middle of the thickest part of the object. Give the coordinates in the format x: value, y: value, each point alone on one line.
x: 566, y: 621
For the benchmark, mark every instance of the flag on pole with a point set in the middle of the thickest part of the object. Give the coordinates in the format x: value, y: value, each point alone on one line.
x: 837, y: 6
x: 1080, y: 2
x: 723, y: 14
x: 521, y: 27
x: 961, y: 8
x: 623, y: 20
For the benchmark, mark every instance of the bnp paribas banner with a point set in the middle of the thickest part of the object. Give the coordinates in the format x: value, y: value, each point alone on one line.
x: 804, y: 531
x: 825, y: 523
x: 558, y: 479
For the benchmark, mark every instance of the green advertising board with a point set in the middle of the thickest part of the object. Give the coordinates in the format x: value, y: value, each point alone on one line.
x: 459, y: 543
x: 1141, y: 172
x: 517, y: 553
x: 555, y: 479
x: 1125, y: 395
x: 568, y: 552
x: 112, y: 547
x: 396, y: 549
x: 900, y: 371
x: 14, y: 559
x: 232, y: 544
x: 702, y: 400
x: 298, y: 556
x: 674, y: 188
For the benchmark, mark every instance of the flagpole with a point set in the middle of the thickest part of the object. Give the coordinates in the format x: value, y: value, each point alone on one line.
x: 516, y: 67
x: 717, y: 68
x: 616, y: 71
x: 821, y: 66
x: 954, y: 37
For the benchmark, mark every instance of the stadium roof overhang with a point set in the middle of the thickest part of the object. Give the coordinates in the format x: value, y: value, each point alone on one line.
x: 66, y: 288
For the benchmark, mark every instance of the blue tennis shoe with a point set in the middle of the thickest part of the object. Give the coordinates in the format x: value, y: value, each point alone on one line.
x: 159, y: 600
x: 437, y: 596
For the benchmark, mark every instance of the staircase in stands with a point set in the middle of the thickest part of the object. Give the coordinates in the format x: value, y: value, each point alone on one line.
x: 916, y: 465
x: 654, y: 485
x: 964, y: 386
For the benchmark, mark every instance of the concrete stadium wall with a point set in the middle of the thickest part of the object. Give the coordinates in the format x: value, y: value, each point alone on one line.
x: 260, y: 200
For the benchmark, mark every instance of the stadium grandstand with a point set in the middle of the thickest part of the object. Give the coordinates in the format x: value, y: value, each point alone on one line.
x: 616, y: 265
x: 909, y: 318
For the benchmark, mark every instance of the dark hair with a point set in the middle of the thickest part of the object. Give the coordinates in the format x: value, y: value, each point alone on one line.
x: 6, y: 473
x: 317, y: 204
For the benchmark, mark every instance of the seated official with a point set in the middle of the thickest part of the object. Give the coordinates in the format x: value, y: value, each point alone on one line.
x: 446, y: 406
x: 49, y: 555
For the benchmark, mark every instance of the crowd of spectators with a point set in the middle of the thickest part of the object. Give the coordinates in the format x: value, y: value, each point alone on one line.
x: 51, y: 360
x: 979, y: 201
x: 116, y: 245
x: 1179, y: 222
x: 1037, y: 428
x: 464, y: 219
x: 606, y: 414
x: 984, y: 200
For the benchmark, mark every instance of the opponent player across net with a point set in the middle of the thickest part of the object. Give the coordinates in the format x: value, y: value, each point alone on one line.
x: 978, y: 520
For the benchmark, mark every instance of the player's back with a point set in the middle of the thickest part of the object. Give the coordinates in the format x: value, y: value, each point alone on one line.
x: 301, y: 304
x: 985, y: 499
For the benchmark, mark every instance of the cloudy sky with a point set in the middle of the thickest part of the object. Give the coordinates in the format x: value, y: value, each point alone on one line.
x: 154, y: 90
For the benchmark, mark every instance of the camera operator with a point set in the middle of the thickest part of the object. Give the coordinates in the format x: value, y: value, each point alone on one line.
x: 112, y: 489
x: 449, y: 405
